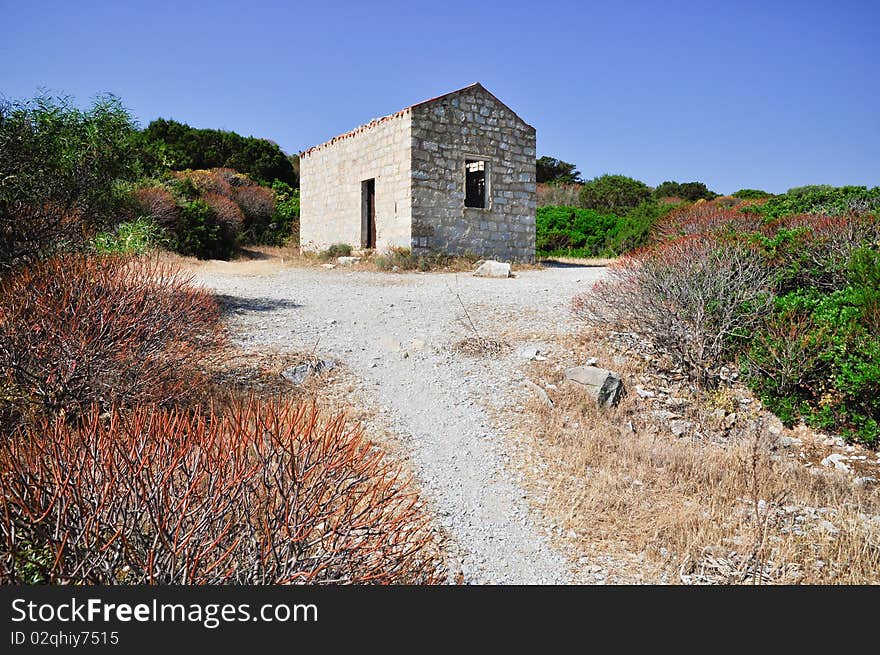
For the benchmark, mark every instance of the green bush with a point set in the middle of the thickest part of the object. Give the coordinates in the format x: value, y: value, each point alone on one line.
x: 137, y: 237
x: 689, y: 191
x: 284, y: 228
x: 167, y: 144
x: 573, y: 232
x: 334, y: 251
x: 202, y: 235
x: 614, y: 194
x: 818, y: 353
x: 751, y: 194
x: 60, y: 169
x: 822, y: 199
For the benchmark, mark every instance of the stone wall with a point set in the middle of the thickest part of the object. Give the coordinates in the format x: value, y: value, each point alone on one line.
x: 330, y: 185
x: 471, y: 124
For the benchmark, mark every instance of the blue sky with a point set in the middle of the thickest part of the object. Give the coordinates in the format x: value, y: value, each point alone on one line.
x: 736, y: 94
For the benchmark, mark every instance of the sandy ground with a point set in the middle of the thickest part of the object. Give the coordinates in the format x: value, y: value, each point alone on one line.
x: 395, y: 333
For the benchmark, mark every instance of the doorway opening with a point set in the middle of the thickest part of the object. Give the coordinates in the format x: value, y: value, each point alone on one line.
x: 368, y: 213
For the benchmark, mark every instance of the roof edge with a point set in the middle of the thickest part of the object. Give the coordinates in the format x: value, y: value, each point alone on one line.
x: 405, y: 110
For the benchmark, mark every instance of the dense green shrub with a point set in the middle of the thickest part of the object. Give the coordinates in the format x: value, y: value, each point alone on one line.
x: 688, y: 191
x: 284, y: 228
x: 818, y: 355
x: 59, y: 168
x: 555, y: 171
x: 169, y: 144
x: 137, y: 237
x: 202, y: 234
x: 822, y: 199
x: 751, y: 194
x: 613, y: 194
x: 572, y: 232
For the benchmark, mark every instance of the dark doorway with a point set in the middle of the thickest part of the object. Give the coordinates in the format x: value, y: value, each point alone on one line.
x: 368, y: 213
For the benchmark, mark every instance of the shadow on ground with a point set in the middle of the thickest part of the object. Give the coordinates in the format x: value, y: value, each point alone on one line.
x: 236, y: 304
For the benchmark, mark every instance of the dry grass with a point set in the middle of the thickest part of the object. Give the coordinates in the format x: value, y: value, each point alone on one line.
x: 706, y: 512
x: 477, y: 346
x: 576, y: 261
x: 263, y: 260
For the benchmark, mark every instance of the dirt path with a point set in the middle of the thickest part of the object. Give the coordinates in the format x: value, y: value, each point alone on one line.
x: 394, y: 331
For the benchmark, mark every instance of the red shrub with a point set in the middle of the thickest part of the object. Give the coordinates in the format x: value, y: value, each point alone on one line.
x: 692, y: 298
x: 228, y: 213
x: 159, y: 205
x: 257, y: 203
x: 268, y: 493
x: 207, y: 181
x: 706, y: 218
x: 233, y: 177
x: 78, y: 330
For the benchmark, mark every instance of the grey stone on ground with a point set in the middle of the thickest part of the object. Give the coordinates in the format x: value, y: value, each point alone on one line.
x: 603, y: 385
x: 434, y: 401
x: 298, y: 374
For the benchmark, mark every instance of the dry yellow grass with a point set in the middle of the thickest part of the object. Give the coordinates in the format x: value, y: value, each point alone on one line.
x: 702, y: 511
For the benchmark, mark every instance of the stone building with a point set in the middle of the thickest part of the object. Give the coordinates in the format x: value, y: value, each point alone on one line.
x: 452, y: 174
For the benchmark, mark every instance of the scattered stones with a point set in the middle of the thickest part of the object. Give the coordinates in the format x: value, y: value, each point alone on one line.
x: 679, y: 427
x: 836, y: 460
x: 604, y: 385
x: 492, y: 268
x: 644, y: 393
x: 298, y: 374
x: 417, y: 344
x: 827, y: 526
x: 531, y: 352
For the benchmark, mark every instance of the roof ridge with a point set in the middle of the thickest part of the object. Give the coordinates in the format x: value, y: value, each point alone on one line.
x: 397, y: 114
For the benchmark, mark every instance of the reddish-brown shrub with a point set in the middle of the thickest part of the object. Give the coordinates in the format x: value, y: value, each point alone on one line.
x: 707, y: 218
x: 692, y: 298
x: 228, y: 213
x: 159, y: 205
x: 267, y: 493
x: 257, y: 203
x: 78, y: 330
x: 207, y: 181
x: 233, y: 177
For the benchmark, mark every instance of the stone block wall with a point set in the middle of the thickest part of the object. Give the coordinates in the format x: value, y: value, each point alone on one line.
x: 330, y: 185
x: 472, y: 124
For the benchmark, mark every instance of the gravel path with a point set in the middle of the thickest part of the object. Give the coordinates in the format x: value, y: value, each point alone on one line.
x: 394, y: 332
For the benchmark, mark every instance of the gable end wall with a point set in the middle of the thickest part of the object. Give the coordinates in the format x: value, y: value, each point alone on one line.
x: 444, y: 134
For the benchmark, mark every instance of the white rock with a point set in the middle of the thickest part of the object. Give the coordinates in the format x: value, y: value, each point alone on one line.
x: 347, y: 261
x: 644, y: 393
x: 491, y: 268
x: 836, y: 460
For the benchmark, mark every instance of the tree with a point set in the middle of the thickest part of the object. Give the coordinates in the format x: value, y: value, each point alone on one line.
x: 690, y: 191
x: 174, y: 145
x: 751, y: 194
x: 555, y: 171
x: 58, y: 169
x: 616, y: 194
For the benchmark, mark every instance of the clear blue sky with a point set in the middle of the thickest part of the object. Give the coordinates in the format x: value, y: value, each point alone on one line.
x: 737, y: 94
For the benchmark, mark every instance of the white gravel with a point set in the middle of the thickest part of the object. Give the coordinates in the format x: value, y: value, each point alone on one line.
x: 433, y: 398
